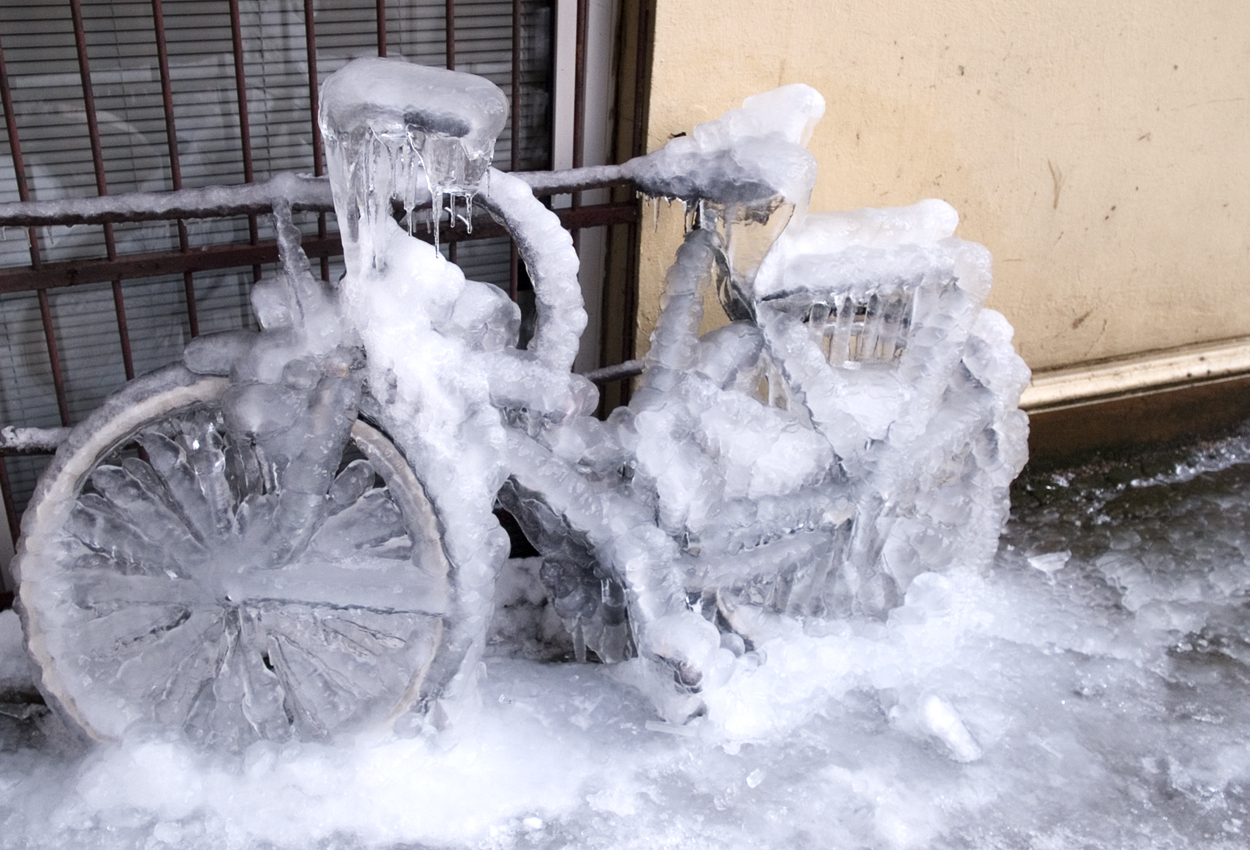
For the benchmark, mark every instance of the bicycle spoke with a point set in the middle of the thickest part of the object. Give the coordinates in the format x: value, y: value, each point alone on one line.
x: 99, y: 526
x: 369, y: 522
x: 383, y: 585
x: 169, y: 461
x: 96, y: 589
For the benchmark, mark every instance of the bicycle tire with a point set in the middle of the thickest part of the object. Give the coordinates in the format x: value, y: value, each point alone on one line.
x: 170, y: 629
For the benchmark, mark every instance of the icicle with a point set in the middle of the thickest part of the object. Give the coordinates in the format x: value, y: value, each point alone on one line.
x: 436, y: 212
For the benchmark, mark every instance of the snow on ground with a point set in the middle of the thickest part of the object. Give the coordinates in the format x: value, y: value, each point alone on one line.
x: 1089, y: 690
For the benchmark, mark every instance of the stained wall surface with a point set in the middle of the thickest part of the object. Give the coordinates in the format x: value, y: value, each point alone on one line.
x: 1101, y: 150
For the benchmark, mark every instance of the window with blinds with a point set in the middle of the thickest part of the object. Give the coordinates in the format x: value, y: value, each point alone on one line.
x: 238, y: 90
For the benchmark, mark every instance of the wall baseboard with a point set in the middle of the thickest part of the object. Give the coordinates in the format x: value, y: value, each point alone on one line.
x: 1148, y: 400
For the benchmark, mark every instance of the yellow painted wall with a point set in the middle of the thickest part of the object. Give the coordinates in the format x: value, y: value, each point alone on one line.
x: 1101, y: 150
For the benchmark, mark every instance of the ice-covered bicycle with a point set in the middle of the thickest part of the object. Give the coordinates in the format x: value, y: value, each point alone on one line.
x: 230, y: 551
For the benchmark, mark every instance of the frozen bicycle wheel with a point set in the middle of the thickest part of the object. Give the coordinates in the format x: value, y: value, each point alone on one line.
x: 148, y: 602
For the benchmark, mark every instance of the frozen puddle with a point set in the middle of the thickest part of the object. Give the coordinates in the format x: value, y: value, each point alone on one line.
x: 1087, y: 691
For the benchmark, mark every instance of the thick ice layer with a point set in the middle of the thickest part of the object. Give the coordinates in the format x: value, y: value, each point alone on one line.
x: 864, y: 431
x: 748, y: 155
x: 444, y: 368
x: 828, y: 233
x: 234, y: 574
x: 745, y: 176
x: 397, y: 130
x: 200, y: 591
x: 16, y: 673
x: 875, y: 321
x: 1111, y: 699
x: 852, y: 429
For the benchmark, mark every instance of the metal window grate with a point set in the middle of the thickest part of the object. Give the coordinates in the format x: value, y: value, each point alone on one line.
x: 109, y: 97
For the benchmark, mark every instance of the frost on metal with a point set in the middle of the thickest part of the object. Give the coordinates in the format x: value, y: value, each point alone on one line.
x: 228, y: 552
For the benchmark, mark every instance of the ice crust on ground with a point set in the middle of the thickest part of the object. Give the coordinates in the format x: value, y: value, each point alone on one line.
x: 1112, y: 700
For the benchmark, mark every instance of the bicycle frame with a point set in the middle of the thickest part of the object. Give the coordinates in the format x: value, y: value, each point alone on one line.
x: 664, y: 533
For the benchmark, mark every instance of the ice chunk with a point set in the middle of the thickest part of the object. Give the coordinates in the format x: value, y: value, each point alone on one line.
x: 828, y: 233
x: 942, y: 722
x: 686, y: 641
x: 1050, y: 563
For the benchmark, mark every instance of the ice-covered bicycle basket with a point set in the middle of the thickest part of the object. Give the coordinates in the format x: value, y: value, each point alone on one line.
x: 291, y: 534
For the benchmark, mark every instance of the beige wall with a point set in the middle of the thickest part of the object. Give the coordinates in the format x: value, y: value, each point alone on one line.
x: 1101, y: 150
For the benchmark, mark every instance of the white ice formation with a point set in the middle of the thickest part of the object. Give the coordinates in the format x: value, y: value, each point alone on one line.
x: 443, y: 363
x: 1113, y: 700
x: 223, y: 551
x: 853, y: 427
x: 745, y: 175
x: 407, y: 133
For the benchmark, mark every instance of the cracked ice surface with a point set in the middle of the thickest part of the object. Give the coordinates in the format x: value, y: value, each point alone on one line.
x: 1111, y: 699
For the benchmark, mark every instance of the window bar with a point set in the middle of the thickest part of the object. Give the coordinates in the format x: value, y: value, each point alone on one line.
x: 54, y: 357
x: 579, y: 102
x: 97, y: 156
x: 310, y: 38
x: 382, y: 27
x: 15, y: 148
x: 175, y: 165
x: 640, y: 79
x: 630, y: 307
x: 23, y: 193
x: 451, y: 34
x: 450, y: 39
x: 637, y: 148
x: 10, y: 508
x: 245, y: 127
x: 514, y: 270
